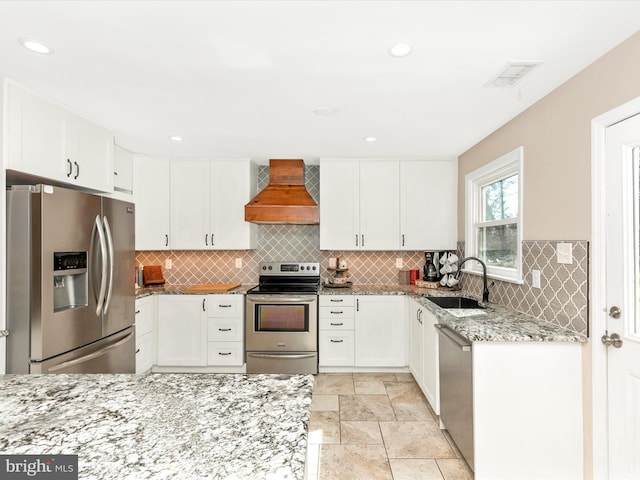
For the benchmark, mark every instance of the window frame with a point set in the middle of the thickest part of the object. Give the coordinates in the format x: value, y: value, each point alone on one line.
x: 503, y: 167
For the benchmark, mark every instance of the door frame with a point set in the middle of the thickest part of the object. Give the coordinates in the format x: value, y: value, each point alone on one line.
x: 598, y: 300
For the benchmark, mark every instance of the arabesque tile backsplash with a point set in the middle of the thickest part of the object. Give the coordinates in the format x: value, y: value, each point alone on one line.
x: 562, y: 300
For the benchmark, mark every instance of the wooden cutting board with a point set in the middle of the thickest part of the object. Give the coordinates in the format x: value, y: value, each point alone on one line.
x: 211, y: 288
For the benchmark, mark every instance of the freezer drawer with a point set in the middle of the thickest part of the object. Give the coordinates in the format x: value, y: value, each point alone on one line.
x: 113, y: 354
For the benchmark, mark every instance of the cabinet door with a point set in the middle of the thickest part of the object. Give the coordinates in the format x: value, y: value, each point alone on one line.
x: 232, y: 185
x: 89, y: 148
x: 379, y: 205
x: 190, y: 205
x: 416, y: 341
x: 431, y: 373
x: 144, y: 316
x: 339, y: 208
x: 380, y: 332
x: 182, y: 330
x: 430, y: 224
x: 35, y: 135
x: 122, y: 170
x: 151, y: 177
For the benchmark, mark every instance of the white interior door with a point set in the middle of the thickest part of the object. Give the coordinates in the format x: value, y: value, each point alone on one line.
x: 622, y: 296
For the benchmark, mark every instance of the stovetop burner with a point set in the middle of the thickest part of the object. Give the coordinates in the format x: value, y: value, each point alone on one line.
x: 288, y: 277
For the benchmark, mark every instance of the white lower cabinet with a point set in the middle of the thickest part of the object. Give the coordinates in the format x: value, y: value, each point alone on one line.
x: 336, y: 330
x: 145, y: 314
x: 225, y: 330
x: 416, y: 341
x: 182, y: 330
x: 380, y: 333
x: 431, y: 365
x: 362, y: 331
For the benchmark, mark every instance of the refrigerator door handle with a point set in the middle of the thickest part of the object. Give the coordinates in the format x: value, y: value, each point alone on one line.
x: 97, y: 227
x: 90, y: 356
x: 109, y: 238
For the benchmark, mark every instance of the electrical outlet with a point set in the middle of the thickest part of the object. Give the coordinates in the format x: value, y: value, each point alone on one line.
x: 535, y: 278
x: 399, y: 262
x: 332, y: 262
x: 564, y: 253
x: 168, y: 264
x: 238, y: 263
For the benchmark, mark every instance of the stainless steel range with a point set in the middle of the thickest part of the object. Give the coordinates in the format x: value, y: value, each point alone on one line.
x: 282, y: 319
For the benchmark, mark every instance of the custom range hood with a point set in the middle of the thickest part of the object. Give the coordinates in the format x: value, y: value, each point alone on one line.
x: 285, y: 199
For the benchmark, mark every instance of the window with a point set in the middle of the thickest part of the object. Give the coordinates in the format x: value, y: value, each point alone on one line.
x: 494, y: 217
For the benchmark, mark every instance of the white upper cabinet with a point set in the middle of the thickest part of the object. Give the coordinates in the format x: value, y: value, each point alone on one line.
x: 151, y: 179
x: 359, y: 204
x: 207, y: 204
x: 387, y: 204
x: 47, y: 141
x: 428, y: 205
x: 122, y: 170
x: 189, y: 204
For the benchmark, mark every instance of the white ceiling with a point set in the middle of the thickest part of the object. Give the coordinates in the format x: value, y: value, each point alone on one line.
x: 242, y: 78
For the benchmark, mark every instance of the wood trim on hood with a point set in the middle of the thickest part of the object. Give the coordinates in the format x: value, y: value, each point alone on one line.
x: 285, y: 199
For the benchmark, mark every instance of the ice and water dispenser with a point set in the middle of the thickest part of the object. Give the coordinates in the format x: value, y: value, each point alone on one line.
x: 70, y: 281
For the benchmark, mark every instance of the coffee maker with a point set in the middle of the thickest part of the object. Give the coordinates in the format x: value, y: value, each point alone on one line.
x: 430, y: 271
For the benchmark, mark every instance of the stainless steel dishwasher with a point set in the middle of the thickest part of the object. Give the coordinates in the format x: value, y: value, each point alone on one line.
x: 456, y: 389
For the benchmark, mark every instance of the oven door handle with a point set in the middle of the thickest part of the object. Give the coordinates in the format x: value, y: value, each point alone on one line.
x: 281, y: 355
x: 282, y: 298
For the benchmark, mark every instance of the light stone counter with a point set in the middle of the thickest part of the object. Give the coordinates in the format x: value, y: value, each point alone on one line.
x: 493, y: 324
x: 182, y: 290
x: 161, y: 426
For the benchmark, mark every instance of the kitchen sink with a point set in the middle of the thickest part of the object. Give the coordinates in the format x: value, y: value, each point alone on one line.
x: 455, y: 302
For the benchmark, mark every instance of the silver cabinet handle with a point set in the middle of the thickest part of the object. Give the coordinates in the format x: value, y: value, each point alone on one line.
x: 206, y: 236
x: 337, y: 313
x: 224, y: 329
x: 212, y: 236
x: 224, y: 353
x: 70, y: 168
x: 356, y: 240
x: 224, y: 306
x: 363, y: 240
x: 77, y: 170
x: 166, y: 240
x: 337, y: 324
x: 137, y: 312
x: 357, y: 304
x: 403, y: 239
x: 203, y: 303
x: 336, y: 341
x: 337, y: 300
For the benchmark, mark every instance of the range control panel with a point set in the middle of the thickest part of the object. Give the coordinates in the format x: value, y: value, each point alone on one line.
x: 290, y: 268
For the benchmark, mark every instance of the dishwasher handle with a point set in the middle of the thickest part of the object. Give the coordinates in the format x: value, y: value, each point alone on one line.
x: 462, y: 343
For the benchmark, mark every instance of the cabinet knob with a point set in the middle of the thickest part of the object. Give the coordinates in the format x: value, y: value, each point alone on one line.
x: 137, y: 312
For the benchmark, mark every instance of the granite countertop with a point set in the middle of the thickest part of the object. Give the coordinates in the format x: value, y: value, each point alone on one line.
x: 491, y: 324
x: 161, y: 426
x: 182, y: 290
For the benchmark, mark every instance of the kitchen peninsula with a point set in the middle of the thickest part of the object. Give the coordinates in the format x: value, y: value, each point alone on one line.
x: 161, y: 426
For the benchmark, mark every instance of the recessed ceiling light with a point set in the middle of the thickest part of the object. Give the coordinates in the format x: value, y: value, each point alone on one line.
x: 175, y: 138
x: 324, y: 111
x: 400, y: 50
x: 369, y: 139
x: 35, y: 46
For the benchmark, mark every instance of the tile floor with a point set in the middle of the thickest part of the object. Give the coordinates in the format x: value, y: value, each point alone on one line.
x: 377, y: 426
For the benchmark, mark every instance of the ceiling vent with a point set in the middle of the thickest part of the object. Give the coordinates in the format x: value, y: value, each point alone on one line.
x: 285, y: 199
x: 511, y: 74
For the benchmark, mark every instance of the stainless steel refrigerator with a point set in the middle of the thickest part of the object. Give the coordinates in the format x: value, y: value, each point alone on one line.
x: 70, y: 282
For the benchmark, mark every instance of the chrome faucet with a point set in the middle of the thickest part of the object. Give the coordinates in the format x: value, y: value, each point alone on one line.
x: 485, y: 291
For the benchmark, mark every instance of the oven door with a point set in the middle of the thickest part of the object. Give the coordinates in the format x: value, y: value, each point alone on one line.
x: 282, y: 323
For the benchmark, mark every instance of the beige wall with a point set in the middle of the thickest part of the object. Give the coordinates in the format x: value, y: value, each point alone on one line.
x: 556, y: 135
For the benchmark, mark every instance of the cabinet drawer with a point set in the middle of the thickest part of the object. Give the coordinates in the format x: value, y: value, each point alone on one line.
x: 336, y: 322
x: 225, y: 305
x: 220, y: 331
x: 144, y: 353
x: 225, y: 353
x: 336, y: 348
x: 333, y: 300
